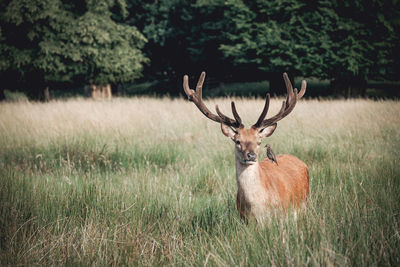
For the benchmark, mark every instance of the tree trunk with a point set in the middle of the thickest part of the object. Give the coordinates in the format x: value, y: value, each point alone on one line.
x: 107, y: 91
x: 46, y: 94
x: 98, y: 91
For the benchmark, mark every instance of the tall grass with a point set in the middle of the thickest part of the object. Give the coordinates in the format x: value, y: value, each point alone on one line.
x: 147, y: 181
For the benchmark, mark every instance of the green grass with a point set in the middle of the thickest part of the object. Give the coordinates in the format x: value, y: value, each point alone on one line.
x: 147, y: 181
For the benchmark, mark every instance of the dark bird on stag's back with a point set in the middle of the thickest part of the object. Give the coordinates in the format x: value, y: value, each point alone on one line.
x: 271, y: 154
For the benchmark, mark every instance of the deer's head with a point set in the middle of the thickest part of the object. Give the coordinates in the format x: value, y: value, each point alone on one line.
x: 247, y: 140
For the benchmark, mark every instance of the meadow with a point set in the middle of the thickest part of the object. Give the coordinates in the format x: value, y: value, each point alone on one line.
x: 146, y: 181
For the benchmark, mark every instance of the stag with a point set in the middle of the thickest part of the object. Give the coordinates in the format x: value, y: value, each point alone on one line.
x: 266, y: 185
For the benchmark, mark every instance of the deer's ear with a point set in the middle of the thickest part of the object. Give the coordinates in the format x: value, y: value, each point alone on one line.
x: 227, y: 131
x: 267, y: 131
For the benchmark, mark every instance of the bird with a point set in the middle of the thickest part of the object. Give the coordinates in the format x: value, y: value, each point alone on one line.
x: 271, y: 154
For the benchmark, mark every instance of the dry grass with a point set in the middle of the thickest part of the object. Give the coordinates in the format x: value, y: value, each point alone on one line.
x: 151, y: 181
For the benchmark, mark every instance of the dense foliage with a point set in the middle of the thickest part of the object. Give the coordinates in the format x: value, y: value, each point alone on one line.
x: 238, y: 40
x: 347, y: 42
x: 52, y: 42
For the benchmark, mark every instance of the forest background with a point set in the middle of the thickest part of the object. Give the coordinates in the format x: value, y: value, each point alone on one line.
x: 344, y: 48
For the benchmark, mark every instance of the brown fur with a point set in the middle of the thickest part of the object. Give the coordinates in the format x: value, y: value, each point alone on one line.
x: 289, y: 178
x: 265, y: 185
x: 287, y: 184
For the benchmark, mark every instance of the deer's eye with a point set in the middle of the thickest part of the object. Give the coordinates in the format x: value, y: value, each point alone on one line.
x: 237, y: 142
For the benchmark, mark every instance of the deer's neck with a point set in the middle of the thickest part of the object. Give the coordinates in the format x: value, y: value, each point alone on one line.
x: 248, y: 178
x: 251, y: 191
x: 247, y: 173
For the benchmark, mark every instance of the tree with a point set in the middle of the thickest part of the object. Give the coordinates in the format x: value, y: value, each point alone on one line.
x: 347, y: 42
x: 280, y: 36
x: 51, y: 41
x: 164, y: 23
x: 183, y: 38
x: 365, y: 45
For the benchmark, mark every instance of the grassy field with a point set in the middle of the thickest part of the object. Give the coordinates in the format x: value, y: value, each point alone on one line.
x: 146, y: 181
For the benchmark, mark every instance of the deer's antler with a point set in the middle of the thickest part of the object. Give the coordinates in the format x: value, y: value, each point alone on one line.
x: 287, y: 105
x: 196, y: 97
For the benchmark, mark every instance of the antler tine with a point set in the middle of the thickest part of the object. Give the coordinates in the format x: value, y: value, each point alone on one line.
x: 263, y: 113
x: 197, y: 98
x: 287, y: 105
x: 302, y: 90
x: 289, y: 86
x: 236, y: 115
x: 234, y: 123
x: 199, y: 86
x: 189, y: 92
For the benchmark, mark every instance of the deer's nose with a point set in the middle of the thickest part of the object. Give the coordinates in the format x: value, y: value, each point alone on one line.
x: 252, y: 156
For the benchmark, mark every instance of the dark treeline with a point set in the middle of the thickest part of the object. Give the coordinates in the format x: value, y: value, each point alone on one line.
x: 62, y: 44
